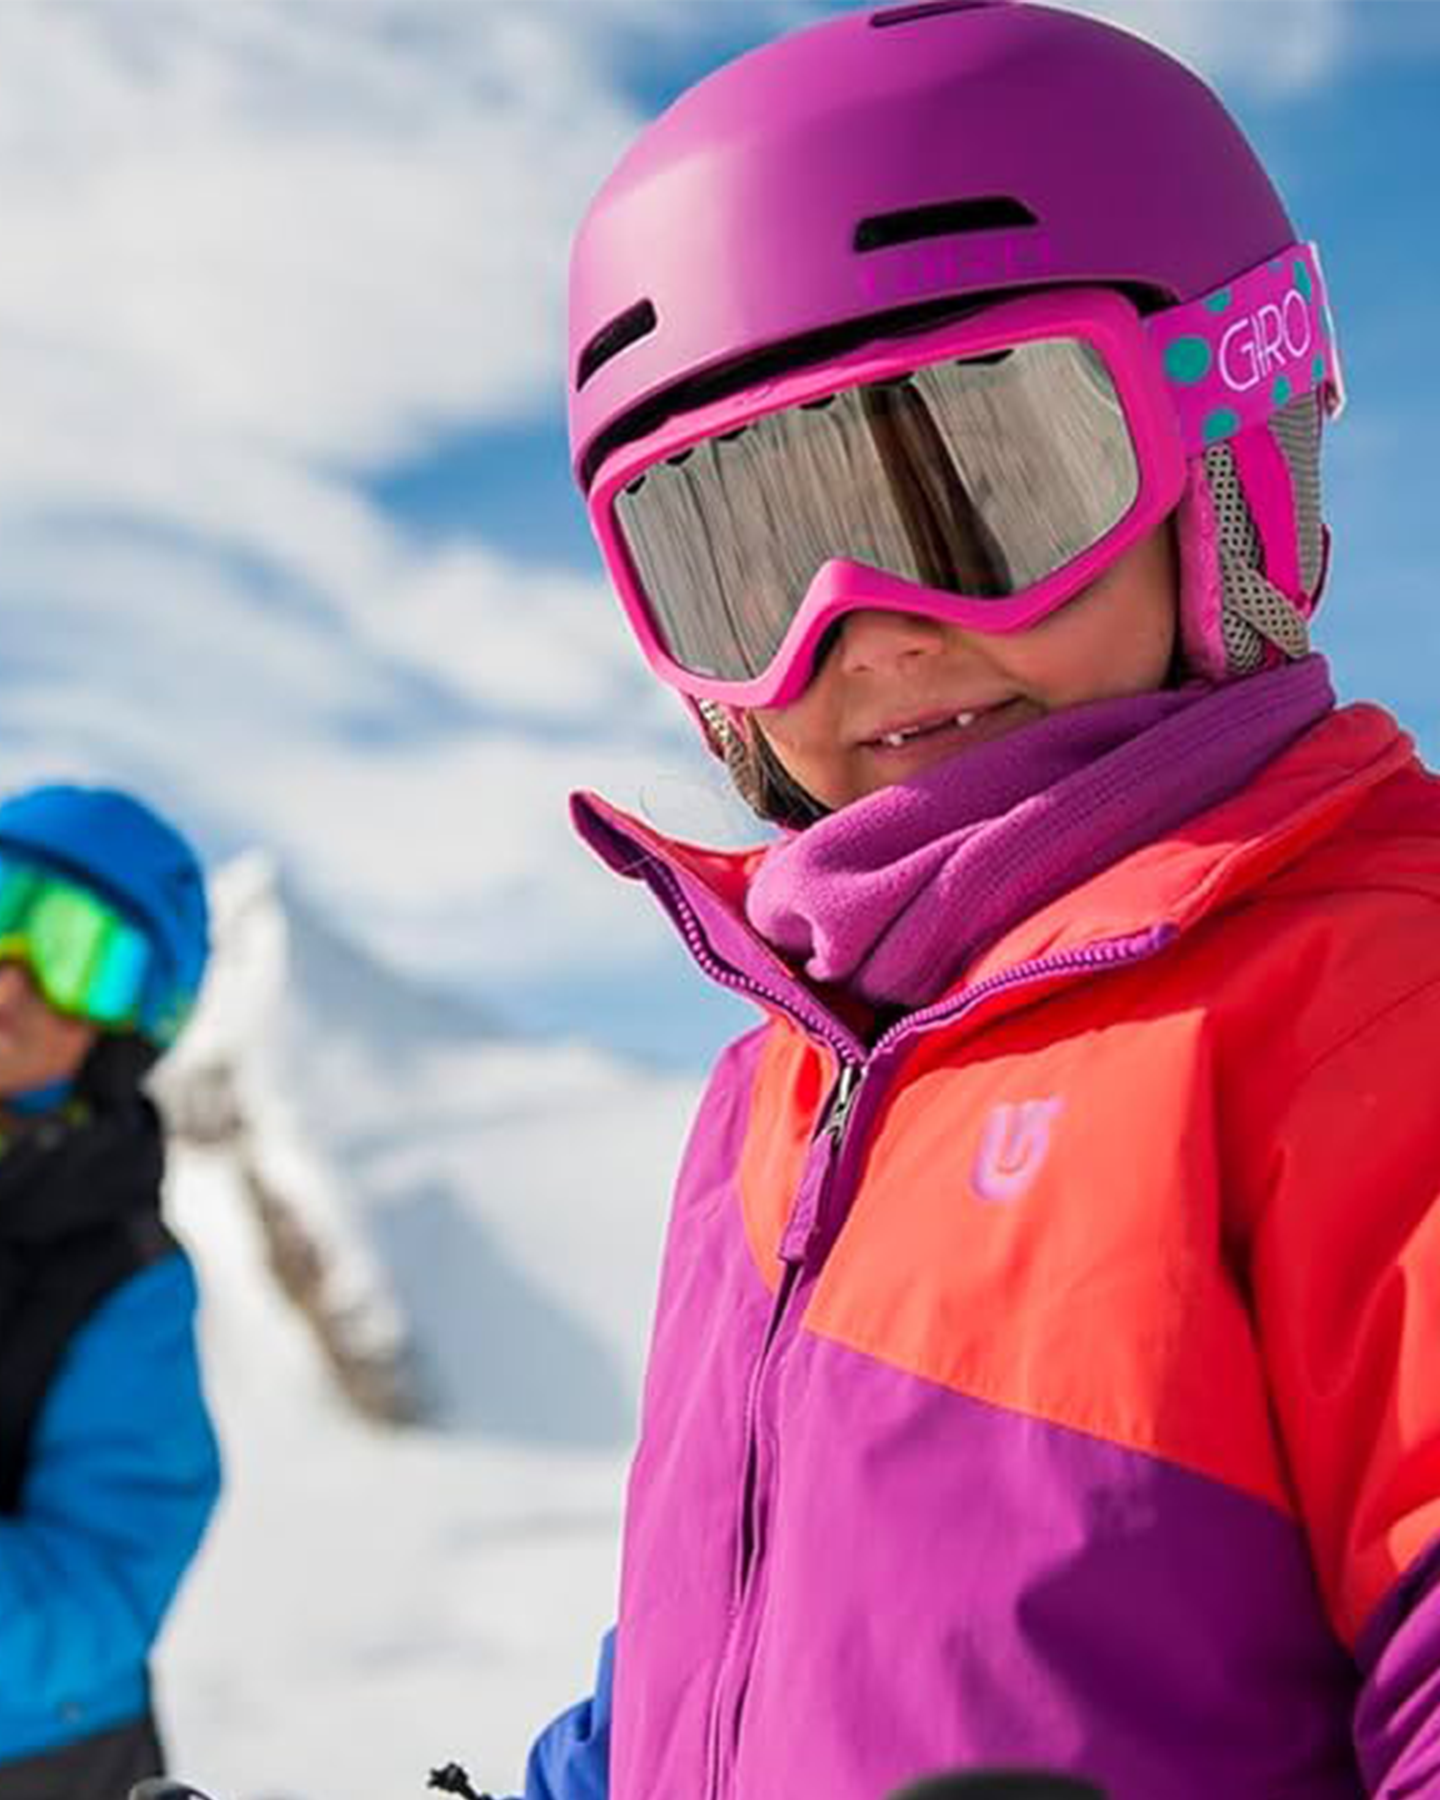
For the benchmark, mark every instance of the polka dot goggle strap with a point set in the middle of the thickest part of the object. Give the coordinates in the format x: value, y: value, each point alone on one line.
x: 1234, y: 358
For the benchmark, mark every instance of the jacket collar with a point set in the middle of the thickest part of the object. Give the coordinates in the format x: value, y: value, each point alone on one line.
x: 1298, y: 799
x: 67, y: 1174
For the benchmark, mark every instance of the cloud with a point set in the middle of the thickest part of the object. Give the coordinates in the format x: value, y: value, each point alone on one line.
x: 318, y: 229
x: 410, y: 762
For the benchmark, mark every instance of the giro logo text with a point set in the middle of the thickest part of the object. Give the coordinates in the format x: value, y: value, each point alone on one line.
x: 1014, y: 1143
x: 1264, y: 341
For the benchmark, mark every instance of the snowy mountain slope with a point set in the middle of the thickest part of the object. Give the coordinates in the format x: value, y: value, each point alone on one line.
x: 373, y: 1601
x: 340, y: 985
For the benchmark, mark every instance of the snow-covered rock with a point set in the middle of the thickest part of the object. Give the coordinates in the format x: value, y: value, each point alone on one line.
x: 232, y: 1085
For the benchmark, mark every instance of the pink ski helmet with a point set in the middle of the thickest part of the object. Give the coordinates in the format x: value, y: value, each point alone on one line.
x: 908, y: 157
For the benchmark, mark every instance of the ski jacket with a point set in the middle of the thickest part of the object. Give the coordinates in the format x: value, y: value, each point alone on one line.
x: 120, y: 1476
x: 1051, y: 1380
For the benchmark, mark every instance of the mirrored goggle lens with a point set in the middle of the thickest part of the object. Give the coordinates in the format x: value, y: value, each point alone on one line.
x: 979, y: 477
x: 87, y: 959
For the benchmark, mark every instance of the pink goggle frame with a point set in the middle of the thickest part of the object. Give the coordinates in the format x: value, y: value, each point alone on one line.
x: 1186, y: 378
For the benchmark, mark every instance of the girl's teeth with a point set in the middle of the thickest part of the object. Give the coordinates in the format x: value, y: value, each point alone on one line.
x: 897, y: 740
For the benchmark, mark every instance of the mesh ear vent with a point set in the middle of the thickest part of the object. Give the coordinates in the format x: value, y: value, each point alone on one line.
x: 1296, y: 429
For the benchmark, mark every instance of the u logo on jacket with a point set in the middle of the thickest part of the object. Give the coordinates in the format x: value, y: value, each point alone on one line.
x: 1014, y: 1142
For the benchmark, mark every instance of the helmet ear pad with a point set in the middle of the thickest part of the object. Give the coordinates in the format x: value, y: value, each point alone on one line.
x: 1253, y: 547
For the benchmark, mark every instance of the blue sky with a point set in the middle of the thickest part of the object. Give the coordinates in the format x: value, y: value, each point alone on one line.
x: 291, y: 543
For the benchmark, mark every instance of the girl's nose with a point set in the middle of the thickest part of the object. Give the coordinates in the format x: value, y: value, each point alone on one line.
x: 874, y: 638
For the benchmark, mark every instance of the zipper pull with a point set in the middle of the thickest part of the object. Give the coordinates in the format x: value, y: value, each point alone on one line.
x: 801, y: 1228
x: 842, y: 1098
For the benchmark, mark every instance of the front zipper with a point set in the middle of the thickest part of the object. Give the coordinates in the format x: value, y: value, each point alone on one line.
x: 820, y: 1167
x: 821, y: 1161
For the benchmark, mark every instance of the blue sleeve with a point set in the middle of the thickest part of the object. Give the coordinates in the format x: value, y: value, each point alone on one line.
x: 122, y: 1477
x: 570, y: 1759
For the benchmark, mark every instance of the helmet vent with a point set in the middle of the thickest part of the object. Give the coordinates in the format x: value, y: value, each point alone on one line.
x: 947, y: 219
x: 624, y: 329
x: 908, y: 15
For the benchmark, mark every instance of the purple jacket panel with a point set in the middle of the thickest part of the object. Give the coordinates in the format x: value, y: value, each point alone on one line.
x: 680, y: 1546
x: 1057, y: 1552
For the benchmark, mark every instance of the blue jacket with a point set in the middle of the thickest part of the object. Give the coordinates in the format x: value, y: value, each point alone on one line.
x: 122, y: 1476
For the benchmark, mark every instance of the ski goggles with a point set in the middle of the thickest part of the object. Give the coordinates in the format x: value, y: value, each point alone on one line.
x: 981, y: 472
x: 87, y: 958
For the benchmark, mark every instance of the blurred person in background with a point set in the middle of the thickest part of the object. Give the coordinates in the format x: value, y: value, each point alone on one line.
x: 109, y: 1468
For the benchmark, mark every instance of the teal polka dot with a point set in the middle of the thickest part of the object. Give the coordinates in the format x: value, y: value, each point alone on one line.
x: 1277, y: 265
x: 1220, y: 301
x: 1317, y: 369
x: 1322, y: 324
x: 1282, y: 390
x: 1302, y: 278
x: 1221, y: 423
x: 1187, y: 360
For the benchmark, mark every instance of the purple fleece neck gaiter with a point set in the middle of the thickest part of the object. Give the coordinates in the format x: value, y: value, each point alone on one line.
x: 895, y: 895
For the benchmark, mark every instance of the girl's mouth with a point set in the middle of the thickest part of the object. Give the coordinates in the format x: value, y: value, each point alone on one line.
x: 944, y: 728
x: 896, y: 740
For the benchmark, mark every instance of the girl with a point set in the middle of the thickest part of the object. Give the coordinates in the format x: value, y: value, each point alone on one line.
x: 1044, y: 1364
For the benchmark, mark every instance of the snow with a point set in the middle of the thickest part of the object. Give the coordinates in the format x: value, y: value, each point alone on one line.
x: 375, y: 1600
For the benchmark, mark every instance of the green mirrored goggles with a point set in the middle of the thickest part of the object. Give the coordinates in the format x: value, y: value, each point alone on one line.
x: 87, y: 958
